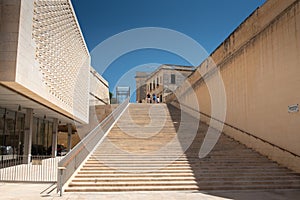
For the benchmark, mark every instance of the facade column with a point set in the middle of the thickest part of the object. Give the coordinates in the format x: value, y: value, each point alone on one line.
x: 69, y: 137
x: 54, y: 138
x: 28, y: 135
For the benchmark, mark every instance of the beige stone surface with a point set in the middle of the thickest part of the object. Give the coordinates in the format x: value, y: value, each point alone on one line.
x: 259, y: 64
x: 9, y: 24
x: 99, y: 89
x: 159, y: 81
x: 43, y: 56
x: 39, y: 191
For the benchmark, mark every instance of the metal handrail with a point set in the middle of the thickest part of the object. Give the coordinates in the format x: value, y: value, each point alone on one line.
x: 238, y: 129
x: 73, y: 160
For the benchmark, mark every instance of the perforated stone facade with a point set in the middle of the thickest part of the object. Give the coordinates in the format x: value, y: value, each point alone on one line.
x: 60, y: 51
x: 46, y: 58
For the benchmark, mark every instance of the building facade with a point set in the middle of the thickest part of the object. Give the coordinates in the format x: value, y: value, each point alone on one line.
x: 99, y: 89
x: 141, y: 88
x: 45, y: 75
x: 163, y: 81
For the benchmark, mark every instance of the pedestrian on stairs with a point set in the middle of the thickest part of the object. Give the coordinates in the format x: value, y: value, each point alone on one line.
x: 154, y: 98
x: 148, y: 98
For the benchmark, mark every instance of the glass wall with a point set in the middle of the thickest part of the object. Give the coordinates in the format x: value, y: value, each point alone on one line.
x: 11, y: 133
x: 41, y: 137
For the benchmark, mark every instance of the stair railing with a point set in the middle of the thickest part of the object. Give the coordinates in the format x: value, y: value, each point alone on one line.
x: 74, y: 159
x: 240, y: 130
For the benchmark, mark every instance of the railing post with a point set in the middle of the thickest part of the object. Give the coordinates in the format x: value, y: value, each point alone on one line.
x: 69, y: 137
x: 61, y: 172
x: 28, y: 135
x: 54, y: 137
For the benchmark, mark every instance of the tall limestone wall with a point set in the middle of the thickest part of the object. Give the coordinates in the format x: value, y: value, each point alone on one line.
x: 259, y: 64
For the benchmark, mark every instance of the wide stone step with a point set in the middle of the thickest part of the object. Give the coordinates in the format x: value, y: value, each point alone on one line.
x: 128, y: 158
x: 187, y: 174
x: 185, y: 182
x: 212, y: 164
x: 99, y: 153
x: 181, y: 178
x: 127, y: 174
x: 177, y: 188
x: 136, y: 188
x: 130, y: 183
x: 195, y: 172
x: 177, y: 162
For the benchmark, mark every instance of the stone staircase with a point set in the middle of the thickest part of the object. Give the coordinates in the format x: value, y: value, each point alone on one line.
x: 151, y: 148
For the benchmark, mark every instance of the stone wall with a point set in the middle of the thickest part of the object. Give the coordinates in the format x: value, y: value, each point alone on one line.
x: 9, y: 27
x: 259, y: 65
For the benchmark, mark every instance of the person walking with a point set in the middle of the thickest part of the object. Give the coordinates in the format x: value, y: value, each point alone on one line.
x: 148, y: 98
x: 154, y: 98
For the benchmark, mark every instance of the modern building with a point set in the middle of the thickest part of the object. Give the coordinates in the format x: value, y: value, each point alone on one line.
x: 99, y: 89
x: 45, y: 75
x: 163, y: 81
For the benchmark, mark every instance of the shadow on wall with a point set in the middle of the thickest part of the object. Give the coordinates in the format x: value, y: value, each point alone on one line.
x: 230, y: 165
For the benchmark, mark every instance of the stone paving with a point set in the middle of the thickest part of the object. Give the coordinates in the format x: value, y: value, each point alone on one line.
x: 26, y: 191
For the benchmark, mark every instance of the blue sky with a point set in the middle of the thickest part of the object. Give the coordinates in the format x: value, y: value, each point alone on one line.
x: 209, y: 22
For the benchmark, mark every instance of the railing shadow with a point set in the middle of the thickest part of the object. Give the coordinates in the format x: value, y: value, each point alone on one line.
x: 230, y: 165
x: 73, y: 160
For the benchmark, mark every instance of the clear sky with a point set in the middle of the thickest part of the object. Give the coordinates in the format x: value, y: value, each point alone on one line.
x: 209, y: 22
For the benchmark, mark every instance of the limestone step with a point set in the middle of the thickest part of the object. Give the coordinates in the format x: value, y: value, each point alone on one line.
x: 154, y: 182
x: 187, y: 174
x: 144, y: 160
x: 180, y: 178
x: 135, y: 188
x: 128, y: 158
x: 182, y: 166
x: 168, y: 156
x: 178, y: 188
x: 131, y: 183
x: 199, y: 171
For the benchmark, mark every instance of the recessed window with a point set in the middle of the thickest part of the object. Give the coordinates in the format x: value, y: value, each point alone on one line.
x: 173, y: 79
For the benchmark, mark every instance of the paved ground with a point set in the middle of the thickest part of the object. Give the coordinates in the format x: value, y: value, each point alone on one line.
x: 39, y: 191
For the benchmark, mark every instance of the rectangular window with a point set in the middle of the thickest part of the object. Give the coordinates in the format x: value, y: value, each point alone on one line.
x: 173, y: 79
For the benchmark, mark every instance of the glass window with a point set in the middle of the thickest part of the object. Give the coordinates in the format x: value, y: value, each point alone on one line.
x: 173, y: 79
x: 35, y: 131
x: 41, y: 137
x: 9, y: 132
x: 49, y: 140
